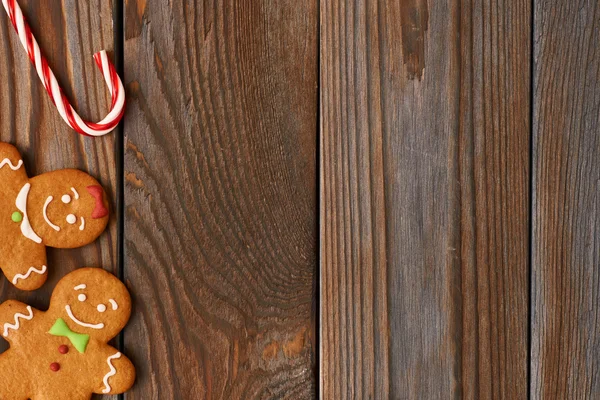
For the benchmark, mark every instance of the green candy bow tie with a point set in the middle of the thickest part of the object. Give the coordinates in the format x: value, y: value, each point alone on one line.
x: 79, y: 340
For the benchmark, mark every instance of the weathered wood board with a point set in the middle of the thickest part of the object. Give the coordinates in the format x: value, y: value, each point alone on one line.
x: 424, y: 199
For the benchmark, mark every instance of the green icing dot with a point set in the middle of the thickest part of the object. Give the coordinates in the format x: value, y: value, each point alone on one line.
x: 17, y: 216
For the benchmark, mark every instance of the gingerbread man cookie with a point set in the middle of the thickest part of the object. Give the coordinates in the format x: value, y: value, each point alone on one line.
x: 63, y: 353
x: 63, y: 209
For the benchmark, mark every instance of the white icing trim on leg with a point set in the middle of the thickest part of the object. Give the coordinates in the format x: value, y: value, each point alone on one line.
x: 31, y: 270
x: 6, y: 161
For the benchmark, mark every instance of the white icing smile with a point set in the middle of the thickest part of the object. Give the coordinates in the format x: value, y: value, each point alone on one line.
x: 21, y: 204
x: 81, y: 323
x: 46, y: 204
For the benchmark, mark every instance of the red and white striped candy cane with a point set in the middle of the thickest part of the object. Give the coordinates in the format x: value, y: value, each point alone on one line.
x: 47, y: 77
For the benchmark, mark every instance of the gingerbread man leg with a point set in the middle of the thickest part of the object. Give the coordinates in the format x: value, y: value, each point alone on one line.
x: 14, y: 389
x: 12, y: 393
x: 24, y: 264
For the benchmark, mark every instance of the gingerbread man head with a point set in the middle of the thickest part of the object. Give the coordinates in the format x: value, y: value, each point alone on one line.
x: 66, y: 208
x: 93, y: 302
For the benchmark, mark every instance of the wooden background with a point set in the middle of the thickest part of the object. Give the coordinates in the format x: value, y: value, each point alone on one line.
x: 339, y: 199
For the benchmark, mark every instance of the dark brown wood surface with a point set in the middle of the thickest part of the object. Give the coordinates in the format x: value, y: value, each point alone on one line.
x: 424, y: 201
x: 565, y: 348
x: 69, y: 34
x: 335, y: 199
x: 220, y: 197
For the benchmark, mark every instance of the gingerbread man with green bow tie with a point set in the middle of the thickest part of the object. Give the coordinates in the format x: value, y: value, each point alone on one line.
x: 63, y: 209
x: 63, y: 353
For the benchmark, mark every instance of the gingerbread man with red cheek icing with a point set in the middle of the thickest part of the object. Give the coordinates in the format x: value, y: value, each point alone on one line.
x: 63, y: 353
x: 62, y: 209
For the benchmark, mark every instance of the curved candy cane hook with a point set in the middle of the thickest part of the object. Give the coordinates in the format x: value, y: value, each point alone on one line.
x: 49, y: 81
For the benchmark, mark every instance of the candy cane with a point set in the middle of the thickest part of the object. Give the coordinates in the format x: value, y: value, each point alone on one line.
x: 49, y: 81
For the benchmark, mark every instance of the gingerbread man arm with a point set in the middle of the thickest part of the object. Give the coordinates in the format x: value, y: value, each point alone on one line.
x: 11, y: 164
x: 118, y: 372
x: 13, y: 314
x: 24, y: 263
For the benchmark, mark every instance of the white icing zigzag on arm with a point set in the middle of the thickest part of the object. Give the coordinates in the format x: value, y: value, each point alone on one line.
x: 6, y: 161
x: 112, y: 372
x: 31, y: 270
x: 16, y: 325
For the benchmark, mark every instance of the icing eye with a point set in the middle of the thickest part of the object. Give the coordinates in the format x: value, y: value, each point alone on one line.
x: 71, y: 219
x: 101, y: 308
x: 66, y: 199
x: 82, y: 297
x: 113, y: 304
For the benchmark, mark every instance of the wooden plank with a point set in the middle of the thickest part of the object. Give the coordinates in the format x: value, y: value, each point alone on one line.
x: 69, y: 34
x: 424, y: 202
x: 220, y: 197
x: 566, y: 233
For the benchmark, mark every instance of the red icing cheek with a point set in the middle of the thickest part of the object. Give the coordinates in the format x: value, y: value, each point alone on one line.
x: 100, y: 210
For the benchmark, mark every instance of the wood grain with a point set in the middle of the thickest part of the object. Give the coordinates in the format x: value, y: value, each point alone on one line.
x: 220, y: 197
x: 566, y: 230
x: 69, y: 33
x: 424, y: 199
